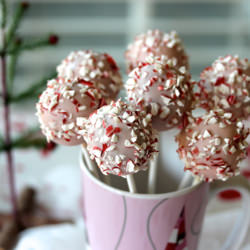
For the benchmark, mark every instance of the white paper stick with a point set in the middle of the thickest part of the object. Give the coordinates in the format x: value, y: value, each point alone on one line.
x: 131, y: 183
x: 196, y: 180
x: 90, y: 164
x: 152, y: 174
x: 185, y: 181
x: 107, y: 179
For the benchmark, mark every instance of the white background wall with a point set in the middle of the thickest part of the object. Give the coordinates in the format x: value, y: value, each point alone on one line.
x: 209, y: 28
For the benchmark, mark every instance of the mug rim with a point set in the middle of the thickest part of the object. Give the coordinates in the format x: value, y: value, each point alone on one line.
x: 168, y: 195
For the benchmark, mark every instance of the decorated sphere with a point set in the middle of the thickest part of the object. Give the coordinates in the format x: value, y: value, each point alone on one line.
x: 64, y: 107
x: 226, y: 85
x: 164, y: 90
x: 99, y: 68
x: 156, y: 43
x: 213, y: 145
x: 120, y: 139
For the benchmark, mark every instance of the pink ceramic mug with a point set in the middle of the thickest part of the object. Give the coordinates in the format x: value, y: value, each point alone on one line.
x: 119, y: 220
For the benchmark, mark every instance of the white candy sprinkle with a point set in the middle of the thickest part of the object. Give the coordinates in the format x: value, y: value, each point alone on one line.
x: 206, y: 134
x: 130, y: 166
x: 68, y: 126
x: 217, y: 141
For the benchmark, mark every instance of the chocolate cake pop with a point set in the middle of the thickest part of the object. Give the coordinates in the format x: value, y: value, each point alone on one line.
x: 156, y: 43
x: 64, y: 107
x: 120, y: 139
x: 99, y: 68
x: 226, y: 84
x: 213, y: 145
x: 163, y: 89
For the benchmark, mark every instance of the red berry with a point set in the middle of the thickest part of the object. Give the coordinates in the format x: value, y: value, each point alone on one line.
x: 18, y: 41
x: 49, y: 147
x: 25, y: 4
x: 53, y: 39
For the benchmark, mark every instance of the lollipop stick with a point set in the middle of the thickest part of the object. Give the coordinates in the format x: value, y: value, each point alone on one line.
x: 131, y: 183
x: 196, y: 180
x: 185, y: 181
x: 90, y: 164
x: 152, y: 175
x: 107, y: 179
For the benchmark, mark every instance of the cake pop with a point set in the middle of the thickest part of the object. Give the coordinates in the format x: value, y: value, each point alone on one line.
x: 156, y: 43
x: 163, y: 89
x: 120, y: 139
x: 63, y: 109
x: 99, y: 68
x: 212, y: 145
x: 226, y: 85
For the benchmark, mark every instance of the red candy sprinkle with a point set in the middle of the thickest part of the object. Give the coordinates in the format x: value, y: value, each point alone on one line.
x: 86, y: 82
x: 109, y: 130
x: 112, y: 62
x: 219, y: 81
x: 231, y: 99
x: 199, y: 120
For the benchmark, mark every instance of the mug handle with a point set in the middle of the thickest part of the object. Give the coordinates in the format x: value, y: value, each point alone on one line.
x: 239, y: 231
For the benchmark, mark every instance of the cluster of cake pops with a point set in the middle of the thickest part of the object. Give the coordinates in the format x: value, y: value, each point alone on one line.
x: 80, y: 106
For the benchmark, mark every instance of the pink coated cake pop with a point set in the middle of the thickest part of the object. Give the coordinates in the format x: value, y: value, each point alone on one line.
x: 64, y: 107
x: 120, y: 139
x: 99, y: 68
x: 156, y: 43
x: 226, y: 85
x: 213, y: 145
x: 164, y: 90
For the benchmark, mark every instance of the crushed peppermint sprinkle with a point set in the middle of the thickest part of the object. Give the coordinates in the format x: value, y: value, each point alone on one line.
x: 226, y: 85
x: 120, y: 138
x: 157, y: 43
x: 99, y: 69
x: 160, y: 87
x: 211, y: 151
x: 64, y: 107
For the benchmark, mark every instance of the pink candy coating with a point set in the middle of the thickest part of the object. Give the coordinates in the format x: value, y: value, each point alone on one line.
x: 156, y: 43
x: 63, y: 109
x: 99, y: 68
x: 120, y: 139
x: 164, y: 90
x: 226, y: 85
x: 213, y: 145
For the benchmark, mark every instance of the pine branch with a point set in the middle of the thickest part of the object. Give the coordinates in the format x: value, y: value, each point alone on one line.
x: 38, y: 143
x: 11, y: 67
x: 20, y: 10
x: 47, y: 41
x: 31, y: 138
x: 3, y: 13
x: 33, y: 91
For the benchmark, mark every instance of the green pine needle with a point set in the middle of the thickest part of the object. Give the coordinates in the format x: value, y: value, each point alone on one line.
x: 3, y: 13
x: 31, y: 138
x: 11, y: 69
x: 1, y: 143
x: 19, y: 12
x: 31, y: 45
x: 33, y: 91
x: 31, y: 143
